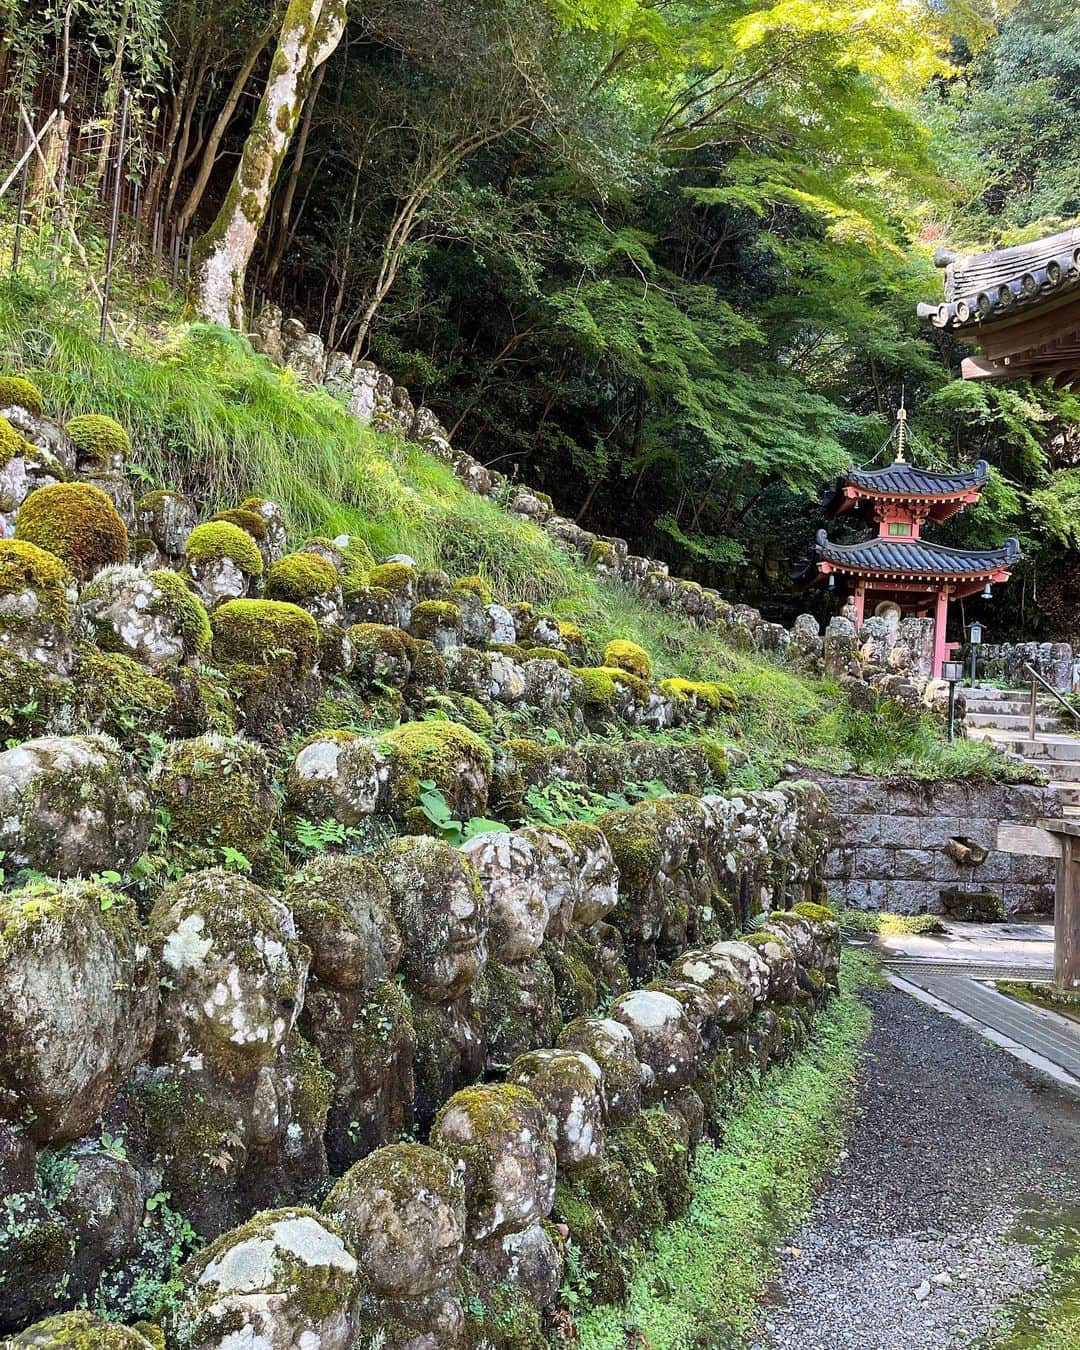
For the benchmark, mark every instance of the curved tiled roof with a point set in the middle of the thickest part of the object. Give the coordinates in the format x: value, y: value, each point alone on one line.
x: 986, y: 287
x: 908, y: 480
x: 916, y: 555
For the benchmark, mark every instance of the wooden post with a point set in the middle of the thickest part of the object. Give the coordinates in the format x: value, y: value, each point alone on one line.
x: 860, y: 605
x: 1067, y: 916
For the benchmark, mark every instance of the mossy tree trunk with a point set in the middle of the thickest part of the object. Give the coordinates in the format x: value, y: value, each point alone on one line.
x: 310, y: 31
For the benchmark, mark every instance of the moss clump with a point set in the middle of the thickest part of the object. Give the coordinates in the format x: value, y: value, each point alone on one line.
x: 99, y: 441
x: 602, y: 554
x: 397, y: 578
x: 12, y: 444
x: 84, y: 1331
x: 15, y: 392
x: 24, y: 566
x: 468, y: 711
x: 431, y: 616
x: 452, y: 756
x: 248, y: 521
x: 110, y: 692
x: 634, y: 834
x: 717, y: 759
x: 713, y: 695
x: 476, y: 586
x: 300, y: 577
x: 259, y: 631
x: 573, y: 639
x: 548, y: 654
x: 39, y: 915
x: 630, y: 657
x: 218, y: 794
x: 184, y: 608
x: 216, y: 539
x: 599, y: 686
x: 807, y: 909
x: 77, y: 522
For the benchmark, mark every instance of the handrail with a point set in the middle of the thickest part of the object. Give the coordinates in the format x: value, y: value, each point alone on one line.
x: 1036, y: 680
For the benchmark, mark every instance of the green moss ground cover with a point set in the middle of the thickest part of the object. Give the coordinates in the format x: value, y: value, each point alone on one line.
x: 701, y: 1281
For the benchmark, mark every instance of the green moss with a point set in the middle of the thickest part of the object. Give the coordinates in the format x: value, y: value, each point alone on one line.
x: 300, y: 577
x: 12, y: 444
x: 111, y: 693
x: 634, y: 834
x: 314, y: 1087
x: 219, y: 539
x: 638, y: 686
x: 468, y: 711
x: 83, y: 1331
x: 436, y: 751
x: 816, y: 913
x: 249, y: 521
x: 28, y: 696
x: 714, y: 695
x: 548, y: 654
x: 260, y: 631
x: 77, y: 522
x: 19, y: 393
x: 630, y: 657
x: 218, y: 794
x: 602, y: 554
x: 573, y: 639
x: 25, y: 566
x: 41, y: 914
x: 397, y: 578
x: 599, y: 686
x: 430, y: 616
x: 98, y: 439
x: 184, y: 609
x: 476, y: 586
x: 717, y: 759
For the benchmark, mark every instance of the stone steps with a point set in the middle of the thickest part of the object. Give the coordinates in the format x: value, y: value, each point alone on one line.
x: 1011, y: 720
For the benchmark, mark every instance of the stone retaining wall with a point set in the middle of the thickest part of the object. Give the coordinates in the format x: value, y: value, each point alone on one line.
x: 1054, y: 661
x: 930, y: 847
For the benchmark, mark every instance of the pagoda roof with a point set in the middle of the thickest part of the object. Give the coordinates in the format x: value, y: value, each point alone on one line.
x: 915, y: 557
x: 904, y: 481
x: 1020, y: 304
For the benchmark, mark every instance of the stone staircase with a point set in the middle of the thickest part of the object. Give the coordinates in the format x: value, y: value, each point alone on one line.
x: 1003, y: 717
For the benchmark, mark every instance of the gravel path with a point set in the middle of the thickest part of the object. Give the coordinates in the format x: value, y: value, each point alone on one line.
x: 906, y: 1246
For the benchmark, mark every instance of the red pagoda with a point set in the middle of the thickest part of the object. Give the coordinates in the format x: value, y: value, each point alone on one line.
x: 897, y: 568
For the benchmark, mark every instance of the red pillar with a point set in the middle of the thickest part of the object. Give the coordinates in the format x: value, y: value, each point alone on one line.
x: 941, y: 614
x: 860, y: 606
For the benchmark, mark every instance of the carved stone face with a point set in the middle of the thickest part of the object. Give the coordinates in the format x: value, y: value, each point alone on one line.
x: 598, y: 889
x: 436, y: 897
x: 511, y: 874
x: 498, y: 1136
x: 402, y: 1209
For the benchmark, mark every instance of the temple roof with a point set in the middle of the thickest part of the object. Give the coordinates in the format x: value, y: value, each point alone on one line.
x: 903, y: 480
x: 988, y: 287
x: 1021, y: 305
x: 916, y: 557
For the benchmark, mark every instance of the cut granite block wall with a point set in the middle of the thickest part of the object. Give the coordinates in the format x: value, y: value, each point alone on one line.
x: 889, y: 838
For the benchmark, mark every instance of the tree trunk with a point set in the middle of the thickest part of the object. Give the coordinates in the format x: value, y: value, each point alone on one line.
x: 281, y: 241
x: 310, y: 32
x: 213, y: 141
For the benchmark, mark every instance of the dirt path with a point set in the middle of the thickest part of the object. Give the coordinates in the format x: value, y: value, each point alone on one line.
x: 908, y: 1245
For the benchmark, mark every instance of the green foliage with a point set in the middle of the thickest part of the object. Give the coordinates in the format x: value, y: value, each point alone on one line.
x: 560, y: 801
x: 437, y: 810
